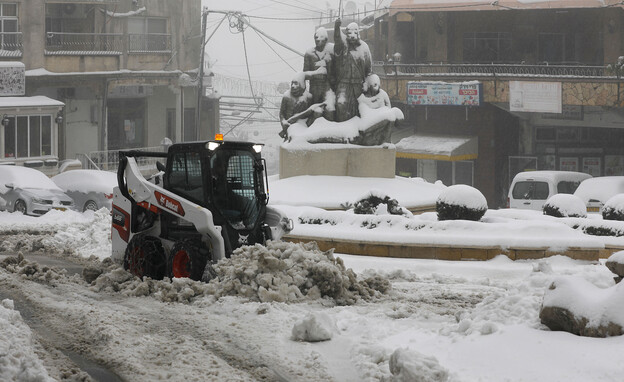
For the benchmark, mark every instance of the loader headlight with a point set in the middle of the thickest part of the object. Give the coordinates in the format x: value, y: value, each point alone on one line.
x: 212, y: 146
x: 257, y: 148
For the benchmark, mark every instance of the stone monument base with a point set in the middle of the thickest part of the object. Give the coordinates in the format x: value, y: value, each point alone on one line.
x: 338, y: 160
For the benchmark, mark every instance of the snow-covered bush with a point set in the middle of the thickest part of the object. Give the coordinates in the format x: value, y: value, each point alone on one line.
x: 564, y: 206
x: 461, y: 202
x: 614, y: 208
x: 377, y: 203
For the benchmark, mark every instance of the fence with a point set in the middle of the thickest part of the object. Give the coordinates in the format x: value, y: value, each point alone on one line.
x: 109, y: 160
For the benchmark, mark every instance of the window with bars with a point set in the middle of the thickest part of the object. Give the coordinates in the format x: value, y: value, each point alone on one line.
x: 28, y: 136
x: 9, y: 36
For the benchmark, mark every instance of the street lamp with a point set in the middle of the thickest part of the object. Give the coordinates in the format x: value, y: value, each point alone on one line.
x: 5, y: 121
x: 59, y: 118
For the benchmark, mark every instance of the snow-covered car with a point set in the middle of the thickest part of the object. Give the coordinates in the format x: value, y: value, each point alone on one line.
x: 530, y: 189
x: 30, y: 192
x: 90, y: 189
x: 596, y: 191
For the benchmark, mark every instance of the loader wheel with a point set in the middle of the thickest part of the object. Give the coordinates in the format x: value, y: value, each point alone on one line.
x: 145, y: 256
x: 187, y: 260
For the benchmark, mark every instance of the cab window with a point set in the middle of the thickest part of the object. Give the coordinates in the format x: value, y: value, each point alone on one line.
x: 530, y: 190
x: 185, y: 177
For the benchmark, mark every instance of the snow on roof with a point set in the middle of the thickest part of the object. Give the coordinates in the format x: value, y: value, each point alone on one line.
x: 11, y: 64
x: 86, y: 181
x: 600, y: 188
x: 430, y: 146
x: 24, y: 177
x: 552, y: 175
x: 398, y: 6
x: 35, y: 101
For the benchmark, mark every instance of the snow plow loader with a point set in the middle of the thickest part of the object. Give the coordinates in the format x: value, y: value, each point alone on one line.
x: 209, y: 199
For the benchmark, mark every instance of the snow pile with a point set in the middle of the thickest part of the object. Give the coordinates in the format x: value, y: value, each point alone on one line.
x: 463, y: 195
x: 565, y: 205
x: 411, y: 366
x: 288, y: 272
x: 18, y: 361
x: 281, y: 272
x: 31, y: 270
x: 314, y: 327
x: 596, y: 312
x: 58, y: 232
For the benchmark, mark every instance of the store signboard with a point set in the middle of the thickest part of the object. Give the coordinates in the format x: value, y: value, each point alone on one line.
x: 591, y: 165
x: 614, y: 165
x: 422, y: 93
x: 535, y: 97
x: 568, y: 164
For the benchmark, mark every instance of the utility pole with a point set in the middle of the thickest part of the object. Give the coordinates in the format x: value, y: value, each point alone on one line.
x: 200, y: 90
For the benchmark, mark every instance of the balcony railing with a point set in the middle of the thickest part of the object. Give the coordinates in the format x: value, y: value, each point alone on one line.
x: 149, y: 43
x: 83, y: 43
x: 511, y: 70
x: 11, y: 44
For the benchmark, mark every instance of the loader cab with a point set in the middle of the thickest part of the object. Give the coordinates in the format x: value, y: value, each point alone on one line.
x: 225, y: 177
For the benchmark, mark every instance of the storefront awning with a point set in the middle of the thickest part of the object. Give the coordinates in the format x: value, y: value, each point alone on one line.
x: 438, y: 147
x: 28, y: 102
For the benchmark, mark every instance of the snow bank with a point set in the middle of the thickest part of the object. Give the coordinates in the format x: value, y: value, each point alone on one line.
x: 280, y: 272
x: 18, y: 361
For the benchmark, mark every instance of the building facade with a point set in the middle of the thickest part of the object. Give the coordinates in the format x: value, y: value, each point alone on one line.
x: 125, y: 70
x: 547, y: 77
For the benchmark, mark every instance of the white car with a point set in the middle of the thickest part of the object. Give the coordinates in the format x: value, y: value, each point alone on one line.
x: 596, y: 191
x: 531, y: 189
x: 30, y: 192
x: 90, y: 189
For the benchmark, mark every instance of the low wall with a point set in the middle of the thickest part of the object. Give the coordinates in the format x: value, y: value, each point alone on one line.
x: 338, y: 160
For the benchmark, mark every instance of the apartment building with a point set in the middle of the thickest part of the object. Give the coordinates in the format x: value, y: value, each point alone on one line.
x: 125, y: 71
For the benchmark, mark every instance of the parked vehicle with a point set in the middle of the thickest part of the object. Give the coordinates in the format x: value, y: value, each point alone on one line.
x: 90, y: 189
x: 596, y: 191
x: 30, y: 192
x: 531, y: 189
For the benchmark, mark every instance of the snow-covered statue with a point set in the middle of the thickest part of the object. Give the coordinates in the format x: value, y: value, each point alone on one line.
x: 353, y: 63
x: 317, y: 66
x: 363, y: 115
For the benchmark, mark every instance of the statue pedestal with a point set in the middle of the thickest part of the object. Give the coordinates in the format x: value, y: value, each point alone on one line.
x: 338, y: 160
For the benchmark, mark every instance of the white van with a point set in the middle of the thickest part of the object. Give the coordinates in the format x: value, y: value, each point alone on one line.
x: 530, y: 189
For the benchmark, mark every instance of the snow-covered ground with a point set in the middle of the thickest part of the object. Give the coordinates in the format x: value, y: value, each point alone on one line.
x: 396, y: 320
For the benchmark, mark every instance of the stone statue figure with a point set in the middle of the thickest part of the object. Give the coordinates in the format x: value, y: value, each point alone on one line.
x: 297, y: 104
x: 317, y: 66
x: 373, y: 96
x: 353, y: 63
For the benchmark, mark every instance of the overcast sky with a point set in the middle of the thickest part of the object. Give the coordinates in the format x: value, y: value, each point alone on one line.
x: 291, y: 22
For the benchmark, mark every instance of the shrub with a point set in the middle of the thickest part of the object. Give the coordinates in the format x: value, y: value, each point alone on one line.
x: 564, y: 206
x: 461, y: 202
x: 614, y: 208
x: 370, y: 206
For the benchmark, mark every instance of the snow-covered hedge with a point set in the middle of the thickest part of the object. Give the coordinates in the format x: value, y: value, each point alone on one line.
x: 614, y: 208
x: 461, y: 202
x: 378, y: 203
x: 564, y: 206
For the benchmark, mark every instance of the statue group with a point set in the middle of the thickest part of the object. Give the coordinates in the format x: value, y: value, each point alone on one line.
x: 341, y: 83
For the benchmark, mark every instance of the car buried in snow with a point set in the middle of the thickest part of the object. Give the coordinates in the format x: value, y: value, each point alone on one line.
x: 90, y: 189
x: 30, y: 192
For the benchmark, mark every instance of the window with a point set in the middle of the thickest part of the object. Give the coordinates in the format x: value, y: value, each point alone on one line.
x: 186, y: 176
x: 30, y: 136
x: 148, y: 34
x: 487, y: 47
x: 531, y: 190
x: 9, y: 36
x: 556, y: 47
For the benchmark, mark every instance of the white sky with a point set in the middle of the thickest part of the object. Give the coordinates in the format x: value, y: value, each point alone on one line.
x: 226, y: 50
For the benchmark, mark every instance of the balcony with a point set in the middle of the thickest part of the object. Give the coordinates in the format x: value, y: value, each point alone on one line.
x: 11, y: 44
x: 149, y: 43
x: 492, y: 70
x: 93, y: 44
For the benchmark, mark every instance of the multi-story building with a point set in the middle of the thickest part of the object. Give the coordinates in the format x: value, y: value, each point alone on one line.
x: 544, y: 79
x: 126, y: 70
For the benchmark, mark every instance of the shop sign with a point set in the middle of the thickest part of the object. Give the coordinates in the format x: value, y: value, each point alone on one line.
x: 591, y: 165
x: 535, y: 97
x: 614, y: 165
x: 445, y: 93
x: 568, y: 164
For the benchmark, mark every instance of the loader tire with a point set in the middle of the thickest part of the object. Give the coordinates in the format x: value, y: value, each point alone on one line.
x: 187, y: 260
x: 145, y: 257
